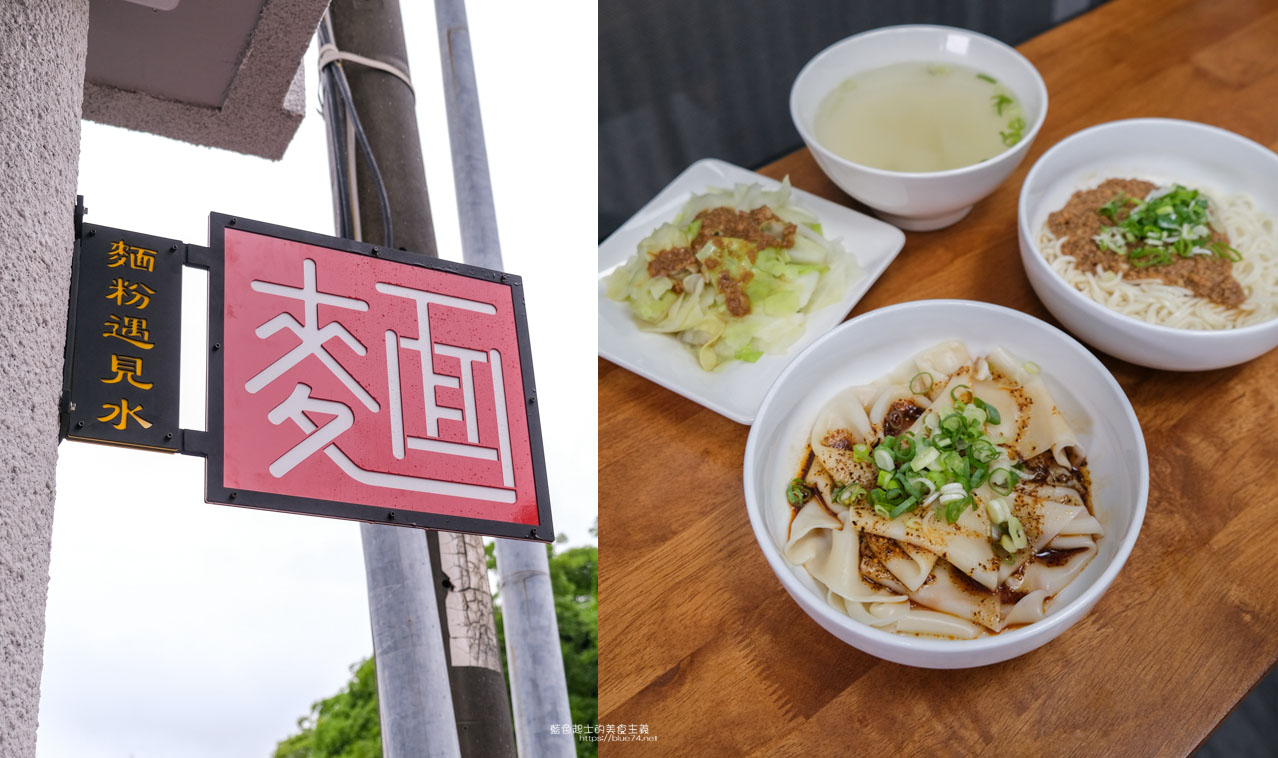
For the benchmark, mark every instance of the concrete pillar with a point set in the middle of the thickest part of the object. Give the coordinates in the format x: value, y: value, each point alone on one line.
x: 42, y: 51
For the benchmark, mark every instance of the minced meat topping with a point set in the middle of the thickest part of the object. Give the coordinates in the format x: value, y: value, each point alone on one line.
x: 1080, y: 221
x: 676, y: 263
x: 760, y: 227
x: 737, y: 302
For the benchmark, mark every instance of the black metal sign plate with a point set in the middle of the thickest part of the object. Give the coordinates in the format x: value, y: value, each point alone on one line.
x: 126, y: 344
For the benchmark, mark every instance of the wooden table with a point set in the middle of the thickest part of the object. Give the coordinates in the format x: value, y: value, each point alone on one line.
x: 699, y: 641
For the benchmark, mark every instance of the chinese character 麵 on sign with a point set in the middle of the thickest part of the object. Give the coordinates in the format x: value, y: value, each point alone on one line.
x: 372, y: 382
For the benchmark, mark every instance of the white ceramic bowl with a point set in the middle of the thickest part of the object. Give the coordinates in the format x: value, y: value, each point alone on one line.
x: 873, y: 344
x: 928, y: 200
x: 1163, y: 151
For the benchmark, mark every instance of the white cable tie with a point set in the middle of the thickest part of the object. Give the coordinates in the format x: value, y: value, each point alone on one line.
x: 329, y: 53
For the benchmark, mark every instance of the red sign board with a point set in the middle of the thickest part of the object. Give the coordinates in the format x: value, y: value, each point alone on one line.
x: 352, y: 382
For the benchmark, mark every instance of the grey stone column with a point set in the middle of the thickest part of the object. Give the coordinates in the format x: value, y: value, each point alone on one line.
x: 42, y: 51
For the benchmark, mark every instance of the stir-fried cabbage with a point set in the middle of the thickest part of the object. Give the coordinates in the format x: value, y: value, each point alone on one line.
x: 782, y: 283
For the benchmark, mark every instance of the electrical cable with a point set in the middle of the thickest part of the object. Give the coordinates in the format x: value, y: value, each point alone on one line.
x: 337, y: 149
x: 335, y: 79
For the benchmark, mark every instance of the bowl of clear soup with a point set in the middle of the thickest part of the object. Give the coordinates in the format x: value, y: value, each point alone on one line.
x: 919, y: 122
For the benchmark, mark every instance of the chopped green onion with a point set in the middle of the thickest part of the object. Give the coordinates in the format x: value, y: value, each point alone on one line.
x: 984, y: 451
x: 1017, y: 532
x: 883, y: 458
x: 798, y: 492
x: 848, y: 493
x: 991, y: 412
x: 958, y: 399
x: 974, y: 414
x: 924, y: 458
x: 956, y: 508
x: 1174, y: 224
x: 861, y: 453
x: 921, y: 383
x: 1015, y: 130
x: 1113, y: 206
x: 953, y: 424
x: 1001, y: 481
x: 884, y: 478
x: 987, y: 78
x: 997, y: 510
x: 905, y: 506
x: 923, y: 482
x: 906, y: 448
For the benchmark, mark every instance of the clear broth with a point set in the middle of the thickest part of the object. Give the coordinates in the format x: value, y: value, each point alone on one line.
x: 919, y: 116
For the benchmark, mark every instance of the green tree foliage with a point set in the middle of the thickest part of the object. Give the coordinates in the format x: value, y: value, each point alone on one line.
x: 342, y: 726
x: 346, y: 725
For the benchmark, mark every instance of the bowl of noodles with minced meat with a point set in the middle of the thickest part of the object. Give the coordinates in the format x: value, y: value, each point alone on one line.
x: 1156, y: 241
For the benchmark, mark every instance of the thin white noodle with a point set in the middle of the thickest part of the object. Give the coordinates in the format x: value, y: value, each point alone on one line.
x: 1251, y: 232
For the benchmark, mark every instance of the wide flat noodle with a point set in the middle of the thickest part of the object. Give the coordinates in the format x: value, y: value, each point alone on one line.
x: 945, y: 590
x: 818, y: 479
x: 806, y: 533
x: 913, y: 620
x: 841, y: 424
x: 838, y: 566
x: 874, y: 570
x: 1070, y: 541
x: 910, y: 565
x: 1031, y: 608
x: 1047, y: 428
x: 938, y: 361
x: 885, y: 399
x: 1084, y: 523
x: 1052, y: 574
x: 1029, y: 420
x: 920, y: 621
x: 950, y: 591
x: 1044, y: 511
x: 965, y: 543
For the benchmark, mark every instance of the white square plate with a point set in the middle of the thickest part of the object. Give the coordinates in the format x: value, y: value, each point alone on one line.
x: 734, y: 389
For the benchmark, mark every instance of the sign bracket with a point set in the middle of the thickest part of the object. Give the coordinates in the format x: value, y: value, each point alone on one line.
x: 65, y: 405
x: 195, y: 442
x: 198, y: 256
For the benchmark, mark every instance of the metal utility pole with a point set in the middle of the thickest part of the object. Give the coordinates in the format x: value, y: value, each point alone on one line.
x: 538, y: 687
x: 451, y: 568
x: 414, y: 700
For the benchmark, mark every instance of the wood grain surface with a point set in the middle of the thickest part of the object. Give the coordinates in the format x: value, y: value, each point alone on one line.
x: 699, y: 641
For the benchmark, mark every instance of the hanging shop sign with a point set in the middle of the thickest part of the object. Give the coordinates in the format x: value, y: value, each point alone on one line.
x: 358, y: 383
x: 124, y: 356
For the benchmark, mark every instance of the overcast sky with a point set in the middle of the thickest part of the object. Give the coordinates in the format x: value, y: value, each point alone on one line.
x: 181, y: 629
